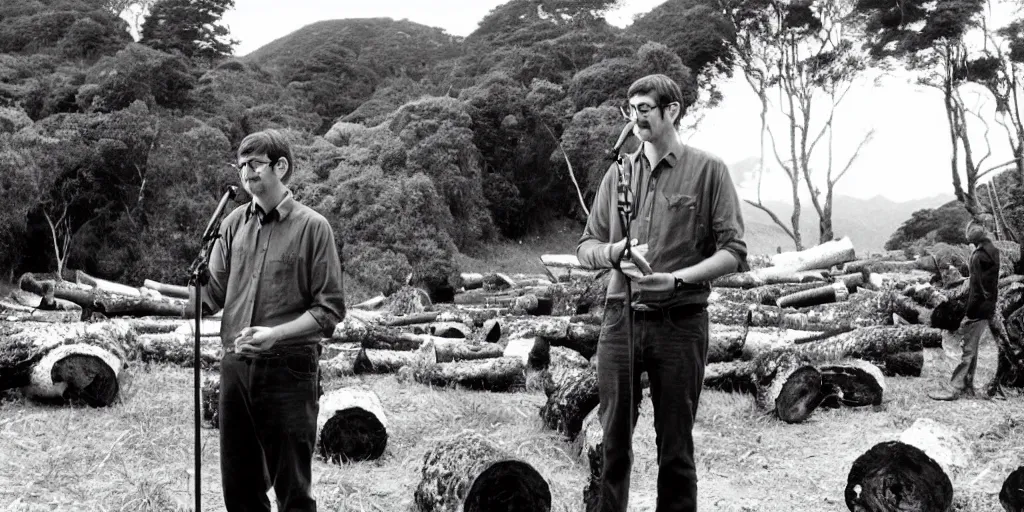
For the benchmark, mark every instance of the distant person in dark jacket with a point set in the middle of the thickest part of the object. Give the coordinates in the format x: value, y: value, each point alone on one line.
x: 981, y: 311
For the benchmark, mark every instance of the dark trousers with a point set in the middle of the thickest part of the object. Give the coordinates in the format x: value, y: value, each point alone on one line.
x: 268, y: 409
x: 672, y: 348
x: 971, y: 331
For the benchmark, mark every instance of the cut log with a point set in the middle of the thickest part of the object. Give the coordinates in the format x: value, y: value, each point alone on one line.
x: 449, y: 350
x: 76, y: 373
x: 591, y: 444
x: 178, y: 349
x: 787, y: 386
x: 535, y: 352
x: 1011, y: 495
x: 109, y: 304
x: 449, y: 330
x: 851, y: 383
x: 762, y: 339
x: 390, y: 361
x: 24, y: 344
x: 828, y: 254
x: 836, y: 292
x: 369, y: 304
x: 210, y: 395
x: 351, y: 426
x: 725, y: 342
x: 579, y: 296
x: 944, y: 444
x: 894, y: 476
x: 471, y: 280
x: 500, y: 374
x: 725, y: 312
x: 169, y: 290
x: 565, y: 267
x: 768, y: 275
x: 468, y: 473
x: 862, y: 309
x: 767, y: 295
x: 572, y: 396
x: 339, y: 360
x: 562, y: 357
x: 107, y: 286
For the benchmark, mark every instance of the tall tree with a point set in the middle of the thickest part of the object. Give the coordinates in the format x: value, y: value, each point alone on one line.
x: 804, y: 51
x: 191, y: 27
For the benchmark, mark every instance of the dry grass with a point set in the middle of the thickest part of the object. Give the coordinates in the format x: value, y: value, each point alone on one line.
x: 137, y: 455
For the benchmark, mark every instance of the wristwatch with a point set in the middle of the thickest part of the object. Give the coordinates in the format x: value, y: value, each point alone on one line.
x: 679, y: 284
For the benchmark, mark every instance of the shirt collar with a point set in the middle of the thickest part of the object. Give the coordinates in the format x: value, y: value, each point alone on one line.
x: 283, y: 209
x: 670, y: 158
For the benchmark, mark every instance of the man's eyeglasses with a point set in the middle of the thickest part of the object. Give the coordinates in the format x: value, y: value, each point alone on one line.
x: 644, y: 108
x: 251, y: 164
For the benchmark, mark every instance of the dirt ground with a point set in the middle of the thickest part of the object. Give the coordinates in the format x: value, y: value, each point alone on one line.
x: 137, y: 454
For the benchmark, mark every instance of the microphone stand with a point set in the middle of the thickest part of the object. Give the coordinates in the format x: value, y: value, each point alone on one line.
x: 625, y: 208
x: 200, y: 275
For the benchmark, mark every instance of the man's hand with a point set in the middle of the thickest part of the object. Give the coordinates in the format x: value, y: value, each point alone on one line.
x: 255, y: 339
x: 618, y: 251
x: 658, y: 282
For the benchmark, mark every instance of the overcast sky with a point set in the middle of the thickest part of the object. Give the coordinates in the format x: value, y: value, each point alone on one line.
x: 908, y: 158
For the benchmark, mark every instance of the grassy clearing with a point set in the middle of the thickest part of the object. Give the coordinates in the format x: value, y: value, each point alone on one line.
x: 137, y: 455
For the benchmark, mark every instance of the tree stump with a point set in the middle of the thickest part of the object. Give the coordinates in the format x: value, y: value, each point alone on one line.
x: 572, y: 393
x: 894, y: 476
x: 468, y: 473
x: 351, y: 426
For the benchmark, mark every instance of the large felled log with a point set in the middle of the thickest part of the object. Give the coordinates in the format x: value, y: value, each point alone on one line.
x: 767, y: 294
x: 468, y: 473
x: 572, y: 394
x: 762, y: 339
x: 351, y: 426
x: 109, y: 304
x: 895, y: 476
x: 565, y: 267
x: 862, y: 309
x: 535, y: 352
x: 449, y: 350
x: 725, y: 342
x: 390, y: 361
x: 107, y: 286
x: 1011, y: 495
x: 851, y: 383
x: 788, y: 386
x: 178, y: 349
x: 339, y: 360
x: 724, y: 312
x: 495, y: 374
x: 170, y: 290
x: 768, y: 275
x: 828, y: 254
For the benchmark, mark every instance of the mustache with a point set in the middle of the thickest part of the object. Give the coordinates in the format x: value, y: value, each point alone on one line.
x: 643, y: 124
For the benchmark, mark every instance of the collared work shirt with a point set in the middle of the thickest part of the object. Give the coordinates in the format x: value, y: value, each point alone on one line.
x: 269, y: 269
x: 685, y: 208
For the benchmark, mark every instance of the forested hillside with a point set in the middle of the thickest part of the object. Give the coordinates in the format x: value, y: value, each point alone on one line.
x: 416, y: 144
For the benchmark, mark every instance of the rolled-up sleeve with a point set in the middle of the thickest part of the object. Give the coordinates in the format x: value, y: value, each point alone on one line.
x: 594, y: 248
x: 326, y: 281
x: 727, y: 217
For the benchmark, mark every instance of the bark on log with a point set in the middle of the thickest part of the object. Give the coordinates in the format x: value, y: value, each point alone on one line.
x: 591, y: 444
x: 571, y: 396
x: 762, y: 339
x: 109, y: 304
x: 828, y: 254
x: 471, y: 280
x: 449, y: 350
x: 449, y: 330
x: 496, y: 374
x: 351, y: 426
x: 562, y: 357
x: 178, y: 349
x: 726, y: 342
x: 169, y: 290
x: 767, y: 294
x: 339, y: 360
x: 788, y: 386
x: 725, y: 312
x: 535, y: 352
x: 1011, y: 495
x: 565, y: 267
x: 766, y: 276
x: 836, y: 292
x: 468, y: 473
x: 851, y: 383
x: 390, y: 361
x: 862, y: 309
x: 211, y: 401
x: 107, y: 286
x: 946, y: 445
x: 878, y: 265
x: 897, y: 476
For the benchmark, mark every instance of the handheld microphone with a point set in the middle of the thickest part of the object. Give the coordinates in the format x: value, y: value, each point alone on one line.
x: 626, y: 132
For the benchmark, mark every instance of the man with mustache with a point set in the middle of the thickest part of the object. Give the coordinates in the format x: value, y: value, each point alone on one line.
x: 687, y: 213
x: 276, y: 273
x: 983, y: 290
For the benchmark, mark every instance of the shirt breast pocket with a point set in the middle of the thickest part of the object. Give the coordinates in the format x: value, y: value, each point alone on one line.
x: 683, y: 219
x: 280, y: 278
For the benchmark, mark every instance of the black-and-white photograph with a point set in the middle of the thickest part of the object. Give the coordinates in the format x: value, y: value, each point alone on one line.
x: 512, y: 255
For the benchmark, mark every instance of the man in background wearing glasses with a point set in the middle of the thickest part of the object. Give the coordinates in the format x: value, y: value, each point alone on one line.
x: 686, y: 211
x: 276, y: 273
